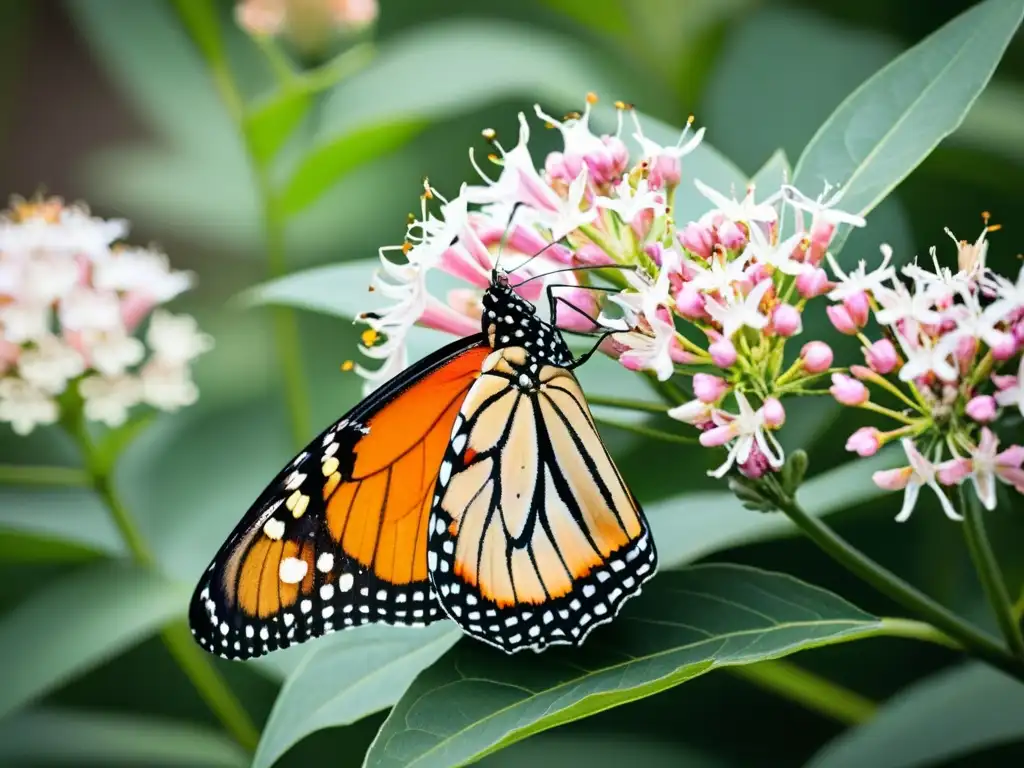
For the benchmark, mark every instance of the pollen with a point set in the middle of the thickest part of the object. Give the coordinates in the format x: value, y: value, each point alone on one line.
x: 489, y: 134
x: 347, y: 366
x: 625, y: 106
x: 406, y: 247
x: 494, y: 158
x: 369, y: 337
x: 690, y: 120
x: 591, y: 97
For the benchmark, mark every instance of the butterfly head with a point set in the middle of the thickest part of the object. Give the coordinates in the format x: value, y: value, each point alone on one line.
x: 509, y: 320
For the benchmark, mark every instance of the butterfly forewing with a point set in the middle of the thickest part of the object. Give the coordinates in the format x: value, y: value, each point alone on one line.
x: 338, y: 538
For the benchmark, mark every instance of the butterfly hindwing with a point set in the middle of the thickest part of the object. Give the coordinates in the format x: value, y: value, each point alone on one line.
x: 534, y: 538
x: 338, y: 538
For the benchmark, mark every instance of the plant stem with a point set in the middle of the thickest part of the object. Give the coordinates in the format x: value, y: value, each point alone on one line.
x: 973, y: 640
x: 626, y: 404
x: 812, y: 691
x: 918, y: 630
x: 13, y: 474
x: 988, y: 572
x: 638, y: 429
x: 194, y: 662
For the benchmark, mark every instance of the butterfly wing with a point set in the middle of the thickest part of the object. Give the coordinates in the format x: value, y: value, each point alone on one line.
x: 535, y: 538
x: 338, y: 537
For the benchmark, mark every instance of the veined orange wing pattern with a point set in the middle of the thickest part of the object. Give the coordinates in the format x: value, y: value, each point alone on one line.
x: 338, y: 538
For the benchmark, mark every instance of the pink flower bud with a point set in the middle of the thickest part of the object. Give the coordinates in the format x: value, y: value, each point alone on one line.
x: 966, y: 348
x: 664, y: 171
x: 954, y: 471
x: 1005, y: 348
x: 786, y: 320
x: 862, y: 372
x: 841, y: 319
x: 774, y: 413
x: 821, y: 236
x: 708, y: 388
x: 847, y: 390
x: 731, y: 235
x: 864, y: 442
x: 813, y: 282
x: 697, y: 239
x: 573, y: 307
x: 592, y: 255
x: 882, y: 356
x: 981, y: 408
x: 723, y: 353
x: 893, y: 479
x: 690, y: 302
x: 716, y: 436
x: 858, y: 308
x: 1004, y: 382
x: 755, y: 273
x: 756, y: 465
x: 816, y: 356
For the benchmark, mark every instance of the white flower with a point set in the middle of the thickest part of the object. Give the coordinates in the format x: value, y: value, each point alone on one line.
x: 899, y: 304
x: 693, y: 412
x: 737, y: 312
x: 50, y: 364
x: 1014, y: 395
x: 432, y: 235
x: 822, y: 210
x: 745, y: 210
x: 940, y: 283
x: 25, y: 406
x: 25, y: 322
x: 167, y: 386
x: 647, y: 353
x: 565, y: 215
x: 988, y: 463
x: 84, y: 309
x: 143, y: 271
x: 926, y: 357
x: 860, y: 280
x: 975, y: 323
x: 629, y: 203
x: 45, y: 278
x: 176, y: 339
x: 114, y: 352
x: 651, y: 150
x: 579, y: 140
x: 1009, y: 296
x: 49, y: 227
x: 920, y: 473
x: 648, y: 295
x: 720, y: 276
x: 745, y: 430
x: 779, y: 256
x: 108, y: 400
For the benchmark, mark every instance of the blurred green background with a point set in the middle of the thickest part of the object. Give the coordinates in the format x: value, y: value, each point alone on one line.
x: 107, y: 101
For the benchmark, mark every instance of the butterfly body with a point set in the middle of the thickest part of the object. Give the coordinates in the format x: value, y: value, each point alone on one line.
x: 474, y: 486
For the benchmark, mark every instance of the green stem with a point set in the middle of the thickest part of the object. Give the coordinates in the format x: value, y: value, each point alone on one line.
x: 973, y: 640
x: 13, y: 474
x: 918, y: 630
x: 194, y: 662
x: 809, y: 690
x: 988, y: 572
x: 626, y: 404
x: 638, y: 429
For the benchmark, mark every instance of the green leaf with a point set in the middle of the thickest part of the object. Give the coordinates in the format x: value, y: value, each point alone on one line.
x: 321, y: 168
x: 115, y: 440
x: 72, y: 515
x: 951, y: 714
x: 348, y: 676
x: 693, y: 525
x: 476, y: 700
x: 773, y: 174
x: 886, y: 127
x: 271, y: 122
x: 79, y: 621
x: 54, y: 736
x: 19, y: 547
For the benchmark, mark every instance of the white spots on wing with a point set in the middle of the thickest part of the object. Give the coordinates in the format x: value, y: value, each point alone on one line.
x: 459, y: 443
x: 329, y: 611
x: 292, y: 570
x: 306, y: 606
x: 614, y: 595
x: 274, y: 529
x: 448, y: 547
x: 249, y: 631
x: 325, y: 562
x: 382, y: 594
x: 345, y: 582
x: 589, y: 590
x: 432, y: 560
x: 446, y: 472
x: 294, y: 480
x: 289, y: 619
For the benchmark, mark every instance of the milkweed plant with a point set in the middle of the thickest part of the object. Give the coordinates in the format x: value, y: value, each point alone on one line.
x: 708, y: 306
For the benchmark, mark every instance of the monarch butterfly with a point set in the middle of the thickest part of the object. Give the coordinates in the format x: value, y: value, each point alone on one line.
x: 473, y: 486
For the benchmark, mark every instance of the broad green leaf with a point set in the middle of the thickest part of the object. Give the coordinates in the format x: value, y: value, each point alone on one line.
x: 773, y: 174
x: 72, y: 515
x: 19, y: 547
x: 54, y: 736
x: 693, y: 525
x: 476, y: 700
x: 607, y: 16
x: 943, y: 717
x: 886, y: 127
x: 348, y: 676
x: 78, y: 622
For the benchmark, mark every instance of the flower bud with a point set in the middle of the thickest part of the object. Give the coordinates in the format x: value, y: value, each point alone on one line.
x: 723, y: 353
x: 786, y: 320
x: 573, y: 307
x: 882, y: 356
x: 841, y: 319
x: 664, y: 171
x: 981, y: 408
x: 954, y: 471
x: 1005, y: 348
x: 690, y: 302
x: 756, y: 465
x: 893, y: 479
x: 708, y: 388
x: 858, y: 308
x: 774, y: 413
x: 731, y: 235
x: 864, y: 442
x: 697, y: 239
x: 694, y: 412
x: 816, y: 356
x: 847, y: 390
x: 716, y: 436
x: 813, y: 282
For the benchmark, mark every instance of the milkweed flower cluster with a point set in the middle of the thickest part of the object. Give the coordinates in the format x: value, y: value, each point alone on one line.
x: 941, y: 361
x: 720, y: 295
x: 71, y: 303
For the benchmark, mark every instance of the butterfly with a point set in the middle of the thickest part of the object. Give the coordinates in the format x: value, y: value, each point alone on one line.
x: 473, y: 486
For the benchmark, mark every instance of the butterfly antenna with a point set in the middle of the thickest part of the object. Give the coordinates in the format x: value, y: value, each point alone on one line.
x: 560, y: 241
x: 581, y: 268
x: 506, y: 234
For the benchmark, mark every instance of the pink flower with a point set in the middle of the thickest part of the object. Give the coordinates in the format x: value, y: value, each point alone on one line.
x: 910, y: 479
x: 723, y: 353
x: 574, y: 308
x: 695, y: 412
x: 813, y: 282
x: 841, y: 319
x: 988, y: 465
x: 953, y: 472
x: 882, y: 356
x: 698, y: 239
x: 1005, y: 348
x: 690, y: 302
x: 708, y: 388
x: 864, y: 442
x: 731, y: 235
x: 816, y: 356
x: 756, y: 465
x: 774, y: 413
x: 847, y: 390
x: 981, y: 408
x: 786, y: 320
x: 858, y: 308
